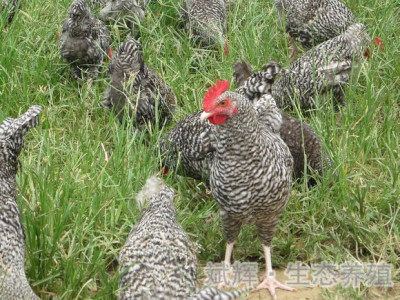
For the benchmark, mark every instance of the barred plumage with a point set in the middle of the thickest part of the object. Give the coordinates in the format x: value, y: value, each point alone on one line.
x: 215, y: 294
x: 84, y: 40
x: 206, y: 21
x: 188, y: 148
x: 137, y: 89
x: 314, y: 21
x: 13, y: 281
x: 304, y: 145
x: 251, y: 172
x: 158, y: 261
x: 255, y: 85
x: 326, y: 67
x: 128, y: 12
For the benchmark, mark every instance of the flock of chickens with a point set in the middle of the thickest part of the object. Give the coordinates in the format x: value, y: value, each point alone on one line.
x: 242, y: 145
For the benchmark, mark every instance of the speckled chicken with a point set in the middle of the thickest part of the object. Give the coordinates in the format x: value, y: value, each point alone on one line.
x: 326, y: 67
x: 84, y: 40
x: 158, y: 260
x: 13, y: 281
x: 137, y: 89
x: 248, y: 166
x: 251, y: 172
x: 8, y: 9
x: 312, y: 22
x: 127, y: 12
x: 206, y: 20
x: 304, y: 145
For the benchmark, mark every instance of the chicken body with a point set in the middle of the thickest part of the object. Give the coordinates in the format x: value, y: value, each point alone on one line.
x: 84, y: 40
x: 251, y: 173
x: 158, y: 261
x: 137, y: 89
x: 326, y: 67
x: 158, y: 257
x: 206, y: 21
x: 312, y: 22
x: 13, y: 281
x: 188, y: 148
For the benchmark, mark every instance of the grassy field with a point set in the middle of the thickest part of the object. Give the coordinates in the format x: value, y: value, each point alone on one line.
x: 81, y: 170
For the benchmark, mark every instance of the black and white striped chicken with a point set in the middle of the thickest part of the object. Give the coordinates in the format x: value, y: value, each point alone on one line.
x: 312, y: 22
x: 251, y: 173
x: 84, y: 40
x: 13, y: 281
x: 158, y: 260
x: 326, y: 67
x: 206, y: 21
x: 248, y: 165
x: 136, y: 89
x: 127, y: 12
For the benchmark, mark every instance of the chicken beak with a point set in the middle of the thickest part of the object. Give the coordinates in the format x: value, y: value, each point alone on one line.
x: 205, y: 115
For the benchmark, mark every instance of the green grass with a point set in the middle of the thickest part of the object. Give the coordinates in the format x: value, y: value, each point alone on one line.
x: 81, y: 170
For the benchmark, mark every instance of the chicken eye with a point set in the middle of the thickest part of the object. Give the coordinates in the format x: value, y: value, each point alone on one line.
x: 223, y: 103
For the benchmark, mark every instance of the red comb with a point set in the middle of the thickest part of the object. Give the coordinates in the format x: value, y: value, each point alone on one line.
x: 226, y: 48
x: 378, y: 42
x: 213, y: 93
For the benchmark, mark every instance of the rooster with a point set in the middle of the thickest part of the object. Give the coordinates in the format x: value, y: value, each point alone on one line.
x: 206, y: 21
x: 84, y: 40
x: 13, y: 281
x: 248, y: 165
x: 312, y: 22
x: 251, y: 172
x: 326, y: 67
x: 158, y: 261
x: 137, y: 89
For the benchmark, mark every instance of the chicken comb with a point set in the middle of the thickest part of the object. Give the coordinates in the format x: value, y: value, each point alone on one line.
x: 213, y: 93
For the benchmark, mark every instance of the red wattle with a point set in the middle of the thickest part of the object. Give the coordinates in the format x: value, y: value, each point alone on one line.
x: 218, y: 119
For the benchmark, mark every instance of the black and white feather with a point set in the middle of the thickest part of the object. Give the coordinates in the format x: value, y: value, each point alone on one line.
x: 84, y: 40
x: 13, y: 281
x: 137, y: 92
x: 326, y: 67
x: 312, y: 22
x: 158, y: 260
x: 206, y: 21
